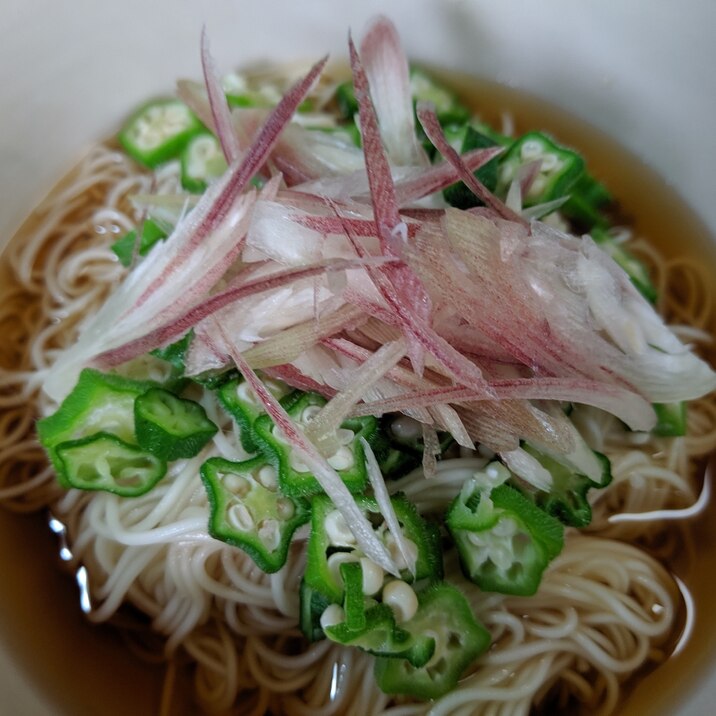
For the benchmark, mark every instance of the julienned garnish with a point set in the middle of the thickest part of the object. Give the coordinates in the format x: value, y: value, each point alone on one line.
x: 360, y: 379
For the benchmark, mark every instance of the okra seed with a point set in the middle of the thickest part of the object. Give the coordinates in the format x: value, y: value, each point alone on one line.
x: 152, y: 137
x: 297, y: 464
x: 344, y: 436
x: 373, y: 576
x: 476, y: 539
x: 334, y: 564
x: 401, y: 598
x: 268, y: 477
x: 269, y: 533
x: 237, y: 484
x: 505, y: 528
x: 175, y: 113
x: 406, y: 428
x: 204, y: 148
x: 502, y: 557
x: 497, y: 473
x: 531, y: 150
x: 309, y: 412
x: 275, y: 387
x: 285, y: 508
x: 507, y: 171
x: 538, y: 186
x: 411, y: 550
x: 332, y: 615
x: 244, y: 392
x: 337, y: 530
x: 240, y: 517
x: 550, y: 162
x: 342, y: 459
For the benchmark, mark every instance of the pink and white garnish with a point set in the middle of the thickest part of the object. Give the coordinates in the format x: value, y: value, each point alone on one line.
x: 331, y: 279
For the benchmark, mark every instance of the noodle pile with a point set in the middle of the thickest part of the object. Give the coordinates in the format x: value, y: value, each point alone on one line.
x: 605, y: 607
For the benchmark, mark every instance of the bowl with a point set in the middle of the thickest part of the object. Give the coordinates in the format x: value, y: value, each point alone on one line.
x: 69, y: 72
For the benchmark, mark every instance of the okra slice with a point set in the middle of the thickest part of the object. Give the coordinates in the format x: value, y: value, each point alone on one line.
x: 670, y: 419
x: 398, y: 445
x: 504, y: 541
x: 99, y: 402
x: 635, y: 269
x: 567, y: 498
x: 159, y: 131
x: 171, y: 427
x: 348, y: 460
x: 560, y: 168
x: 354, y: 600
x: 346, y: 99
x: 312, y: 606
x: 249, y: 511
x: 588, y: 199
x: 150, y: 232
x: 444, y: 616
x: 381, y: 636
x: 240, y: 401
x: 247, y: 98
x: 447, y: 107
x: 175, y: 353
x: 202, y: 162
x: 104, y: 462
x: 332, y: 544
x: 240, y: 93
x: 468, y: 138
x: 374, y: 627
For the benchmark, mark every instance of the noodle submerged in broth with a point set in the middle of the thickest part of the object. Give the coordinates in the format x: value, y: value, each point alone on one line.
x: 607, y: 605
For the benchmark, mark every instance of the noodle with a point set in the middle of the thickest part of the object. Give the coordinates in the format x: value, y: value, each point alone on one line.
x: 604, y: 610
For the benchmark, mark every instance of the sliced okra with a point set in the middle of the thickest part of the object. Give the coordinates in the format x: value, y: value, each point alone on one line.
x: 250, y: 512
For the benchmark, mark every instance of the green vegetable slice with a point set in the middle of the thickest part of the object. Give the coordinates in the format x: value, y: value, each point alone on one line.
x: 398, y: 452
x: 327, y: 546
x: 635, y: 269
x: 239, y: 400
x: 504, y: 541
x: 100, y: 402
x: 202, y: 162
x: 588, y: 198
x: 445, y: 615
x: 348, y: 460
x: 559, y: 170
x: 127, y: 247
x: 458, y: 194
x: 159, y: 131
x: 567, y: 498
x: 313, y: 604
x: 104, y: 462
x: 670, y: 419
x: 379, y: 635
x: 171, y: 427
x: 346, y: 99
x: 447, y: 107
x: 248, y: 510
x: 175, y: 353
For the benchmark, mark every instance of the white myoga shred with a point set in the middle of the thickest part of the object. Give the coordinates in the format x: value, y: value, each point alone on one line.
x: 605, y: 608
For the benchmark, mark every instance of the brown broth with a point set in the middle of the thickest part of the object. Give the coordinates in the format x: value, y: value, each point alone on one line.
x: 84, y: 669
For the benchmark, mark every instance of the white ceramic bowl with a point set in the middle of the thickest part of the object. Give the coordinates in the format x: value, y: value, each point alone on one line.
x: 640, y: 70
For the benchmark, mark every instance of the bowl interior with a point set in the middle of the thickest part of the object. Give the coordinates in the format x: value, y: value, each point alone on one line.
x: 650, y: 90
